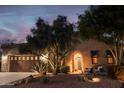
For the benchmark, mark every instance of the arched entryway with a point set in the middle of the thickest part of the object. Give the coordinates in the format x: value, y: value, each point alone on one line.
x: 78, y: 62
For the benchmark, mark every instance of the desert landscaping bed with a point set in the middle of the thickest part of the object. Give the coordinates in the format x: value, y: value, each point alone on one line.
x: 67, y: 81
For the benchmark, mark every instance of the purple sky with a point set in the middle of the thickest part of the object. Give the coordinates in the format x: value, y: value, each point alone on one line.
x: 16, y: 21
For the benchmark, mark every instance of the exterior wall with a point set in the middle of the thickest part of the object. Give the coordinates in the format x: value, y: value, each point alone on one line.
x: 5, y: 54
x: 4, y: 63
x: 85, y: 49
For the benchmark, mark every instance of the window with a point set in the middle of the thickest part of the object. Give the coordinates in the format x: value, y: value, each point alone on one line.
x: 19, y: 58
x: 15, y: 58
x: 27, y: 58
x: 94, y: 56
x: 23, y: 58
x: 109, y: 57
x: 32, y: 58
x: 36, y: 58
x: 11, y: 58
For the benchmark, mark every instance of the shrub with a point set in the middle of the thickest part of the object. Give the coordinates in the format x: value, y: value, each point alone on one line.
x: 45, y: 79
x: 65, y: 69
x: 122, y: 85
x: 120, y: 74
x: 111, y: 72
x: 81, y: 78
x: 40, y: 67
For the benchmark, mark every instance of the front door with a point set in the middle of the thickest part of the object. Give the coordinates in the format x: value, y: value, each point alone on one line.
x: 77, y: 62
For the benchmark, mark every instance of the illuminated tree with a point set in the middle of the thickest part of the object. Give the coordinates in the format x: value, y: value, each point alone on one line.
x: 54, y: 40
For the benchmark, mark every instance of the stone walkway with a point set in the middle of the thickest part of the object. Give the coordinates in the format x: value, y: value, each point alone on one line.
x: 7, y: 77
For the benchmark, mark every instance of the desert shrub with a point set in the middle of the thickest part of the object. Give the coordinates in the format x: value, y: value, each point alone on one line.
x: 81, y: 78
x: 65, y: 69
x: 45, y: 79
x: 120, y: 74
x: 40, y: 67
x: 122, y: 85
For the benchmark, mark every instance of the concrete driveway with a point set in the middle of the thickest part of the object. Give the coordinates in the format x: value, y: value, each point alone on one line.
x: 7, y: 77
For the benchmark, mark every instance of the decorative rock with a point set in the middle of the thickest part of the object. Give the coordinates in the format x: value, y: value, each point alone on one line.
x: 28, y: 79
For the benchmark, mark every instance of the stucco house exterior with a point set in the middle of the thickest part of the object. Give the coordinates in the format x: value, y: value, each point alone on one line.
x: 87, y: 54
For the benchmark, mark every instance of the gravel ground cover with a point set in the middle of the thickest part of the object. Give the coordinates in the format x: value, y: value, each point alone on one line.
x: 68, y: 81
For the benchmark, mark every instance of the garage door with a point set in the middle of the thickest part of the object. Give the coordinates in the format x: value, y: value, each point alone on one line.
x: 22, y: 63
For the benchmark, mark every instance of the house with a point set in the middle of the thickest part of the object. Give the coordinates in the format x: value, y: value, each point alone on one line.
x: 87, y: 54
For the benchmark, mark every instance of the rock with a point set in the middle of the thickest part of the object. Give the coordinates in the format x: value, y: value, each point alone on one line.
x: 81, y: 78
x: 18, y: 82
x: 21, y: 81
x: 28, y: 79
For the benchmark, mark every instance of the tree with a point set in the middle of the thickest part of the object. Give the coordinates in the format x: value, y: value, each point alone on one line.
x: 105, y: 23
x: 24, y: 48
x: 54, y: 40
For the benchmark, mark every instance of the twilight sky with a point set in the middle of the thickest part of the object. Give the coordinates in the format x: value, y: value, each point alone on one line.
x: 16, y: 21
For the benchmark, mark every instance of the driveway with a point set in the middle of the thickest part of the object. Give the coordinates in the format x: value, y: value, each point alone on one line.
x: 7, y: 77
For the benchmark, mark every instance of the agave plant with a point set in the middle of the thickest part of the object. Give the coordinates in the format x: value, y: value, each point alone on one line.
x: 40, y: 67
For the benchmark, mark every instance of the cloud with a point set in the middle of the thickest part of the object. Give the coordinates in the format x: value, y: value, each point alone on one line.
x: 5, y: 34
x: 7, y: 14
x: 16, y: 21
x: 22, y: 30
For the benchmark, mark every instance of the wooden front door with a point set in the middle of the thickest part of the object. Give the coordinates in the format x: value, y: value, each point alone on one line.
x: 77, y: 62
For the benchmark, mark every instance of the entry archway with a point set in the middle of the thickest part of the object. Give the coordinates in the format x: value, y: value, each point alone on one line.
x: 78, y: 64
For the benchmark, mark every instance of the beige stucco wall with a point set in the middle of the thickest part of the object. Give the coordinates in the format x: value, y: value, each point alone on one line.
x: 84, y: 49
x: 5, y: 61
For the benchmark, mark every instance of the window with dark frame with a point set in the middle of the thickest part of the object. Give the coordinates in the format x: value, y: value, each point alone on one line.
x: 109, y: 57
x: 94, y: 56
